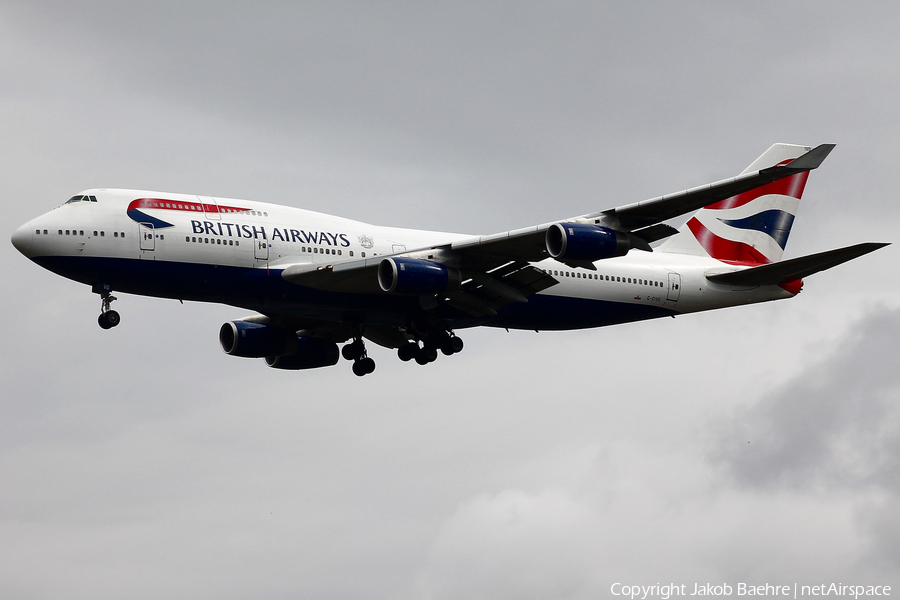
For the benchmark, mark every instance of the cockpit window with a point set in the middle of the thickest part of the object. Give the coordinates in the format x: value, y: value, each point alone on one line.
x: 81, y: 199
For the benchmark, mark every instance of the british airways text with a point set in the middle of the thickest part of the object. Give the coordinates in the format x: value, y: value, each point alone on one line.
x: 284, y: 234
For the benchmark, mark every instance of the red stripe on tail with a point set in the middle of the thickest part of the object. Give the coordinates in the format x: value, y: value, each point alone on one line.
x: 725, y: 250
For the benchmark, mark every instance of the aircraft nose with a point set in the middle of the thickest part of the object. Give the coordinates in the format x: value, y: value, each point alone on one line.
x: 22, y: 239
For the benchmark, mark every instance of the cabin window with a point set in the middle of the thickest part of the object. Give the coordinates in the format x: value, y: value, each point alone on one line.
x: 351, y: 253
x: 363, y: 254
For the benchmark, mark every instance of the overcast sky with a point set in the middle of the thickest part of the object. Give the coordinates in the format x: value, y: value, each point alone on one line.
x: 756, y: 444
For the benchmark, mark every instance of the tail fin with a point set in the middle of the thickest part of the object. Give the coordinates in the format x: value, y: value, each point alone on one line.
x: 751, y: 228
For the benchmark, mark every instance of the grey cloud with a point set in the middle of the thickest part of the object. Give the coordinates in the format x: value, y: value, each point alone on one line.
x: 837, y: 424
x: 143, y: 462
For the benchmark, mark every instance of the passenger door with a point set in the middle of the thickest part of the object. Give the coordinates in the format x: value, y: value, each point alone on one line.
x: 674, y: 287
x: 148, y: 236
x: 261, y: 249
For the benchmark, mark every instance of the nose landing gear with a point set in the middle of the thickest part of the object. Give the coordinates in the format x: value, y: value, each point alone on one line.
x: 108, y: 318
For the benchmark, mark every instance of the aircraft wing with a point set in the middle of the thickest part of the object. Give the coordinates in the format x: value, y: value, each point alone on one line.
x: 642, y: 219
x: 495, y: 269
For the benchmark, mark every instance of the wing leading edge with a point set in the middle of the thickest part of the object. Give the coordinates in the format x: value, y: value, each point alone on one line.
x: 642, y: 219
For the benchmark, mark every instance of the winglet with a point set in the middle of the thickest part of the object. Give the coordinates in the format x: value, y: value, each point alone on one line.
x: 808, y: 161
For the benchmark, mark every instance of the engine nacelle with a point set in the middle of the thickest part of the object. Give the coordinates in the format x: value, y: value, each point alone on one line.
x: 415, y: 276
x: 256, y: 340
x: 583, y: 242
x: 311, y: 353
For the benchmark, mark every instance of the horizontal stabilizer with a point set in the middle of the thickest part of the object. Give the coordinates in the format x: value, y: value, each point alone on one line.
x: 797, y: 268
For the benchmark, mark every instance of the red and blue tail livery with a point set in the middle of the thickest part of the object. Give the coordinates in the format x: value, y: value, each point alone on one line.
x: 322, y: 287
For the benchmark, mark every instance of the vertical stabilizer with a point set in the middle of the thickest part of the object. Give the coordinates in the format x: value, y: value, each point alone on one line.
x: 752, y: 227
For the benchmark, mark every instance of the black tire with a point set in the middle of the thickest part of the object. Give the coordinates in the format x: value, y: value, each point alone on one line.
x: 446, y: 348
x: 408, y: 351
x: 103, y: 322
x: 358, y: 369
x: 368, y: 365
x: 456, y: 344
x: 421, y: 357
x: 430, y: 353
x: 113, y: 318
x: 353, y: 350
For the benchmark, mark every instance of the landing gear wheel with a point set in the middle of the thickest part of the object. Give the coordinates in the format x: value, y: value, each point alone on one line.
x: 354, y: 350
x: 363, y: 366
x: 451, y: 345
x: 426, y: 355
x: 408, y: 351
x: 113, y: 318
x: 103, y: 321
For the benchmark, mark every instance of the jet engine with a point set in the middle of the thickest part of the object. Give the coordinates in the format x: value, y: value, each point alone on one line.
x: 311, y: 353
x: 415, y: 276
x: 256, y: 340
x: 582, y: 242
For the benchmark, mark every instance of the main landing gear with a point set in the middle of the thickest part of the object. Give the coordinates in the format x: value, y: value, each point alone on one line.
x: 108, y: 318
x: 436, y: 341
x: 356, y: 351
x: 445, y: 341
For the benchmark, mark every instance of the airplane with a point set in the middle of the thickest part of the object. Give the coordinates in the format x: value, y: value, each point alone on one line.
x: 317, y: 280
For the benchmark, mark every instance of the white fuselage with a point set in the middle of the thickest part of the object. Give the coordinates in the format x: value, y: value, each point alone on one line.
x: 182, y: 231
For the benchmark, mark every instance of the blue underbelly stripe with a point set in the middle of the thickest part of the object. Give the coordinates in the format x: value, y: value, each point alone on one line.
x: 266, y: 292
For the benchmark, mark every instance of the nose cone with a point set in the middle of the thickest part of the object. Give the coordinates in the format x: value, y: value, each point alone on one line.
x: 23, y: 240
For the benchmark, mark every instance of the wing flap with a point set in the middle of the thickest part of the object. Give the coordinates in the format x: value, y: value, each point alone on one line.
x: 484, y: 293
x: 359, y: 276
